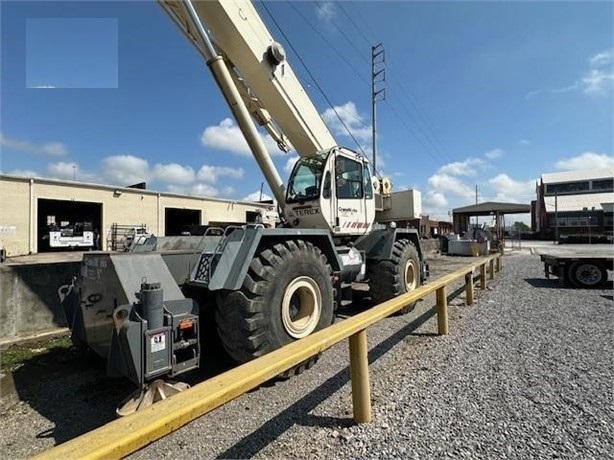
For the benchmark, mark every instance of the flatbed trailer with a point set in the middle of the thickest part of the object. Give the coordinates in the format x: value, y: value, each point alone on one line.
x: 581, y: 271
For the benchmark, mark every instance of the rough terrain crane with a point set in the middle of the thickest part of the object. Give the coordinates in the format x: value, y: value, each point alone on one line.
x: 267, y: 286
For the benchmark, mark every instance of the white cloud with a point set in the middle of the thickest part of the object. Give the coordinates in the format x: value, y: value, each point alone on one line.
x: 125, y: 169
x: 210, y: 174
x: 382, y: 157
x: 256, y: 196
x: 326, y: 10
x: 227, y: 192
x: 198, y: 189
x: 602, y: 59
x: 128, y: 169
x: 54, y: 149
x: 586, y: 160
x: 456, y: 169
x: 494, y: 153
x: 228, y: 137
x: 447, y: 190
x: 510, y: 190
x: 565, y: 89
x: 63, y: 170
x: 173, y: 173
x: 600, y: 76
x: 354, y: 122
x: 446, y: 181
x: 524, y: 142
x: 449, y: 187
x: 461, y: 168
x: 433, y: 199
x: 42, y: 86
x: 453, y: 185
x: 290, y: 164
x: 69, y: 171
x: 596, y: 81
x: 23, y: 172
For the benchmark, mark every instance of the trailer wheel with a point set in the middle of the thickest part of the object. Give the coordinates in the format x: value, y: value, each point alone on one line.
x: 588, y: 274
x: 287, y: 294
x: 400, y: 274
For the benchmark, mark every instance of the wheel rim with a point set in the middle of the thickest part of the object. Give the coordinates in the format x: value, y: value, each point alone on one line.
x: 301, y: 307
x: 410, y: 276
x: 588, y: 274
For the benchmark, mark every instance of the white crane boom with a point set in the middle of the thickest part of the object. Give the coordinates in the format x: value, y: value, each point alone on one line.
x: 261, y: 74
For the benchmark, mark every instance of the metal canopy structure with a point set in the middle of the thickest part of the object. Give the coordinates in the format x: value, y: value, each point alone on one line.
x: 461, y: 216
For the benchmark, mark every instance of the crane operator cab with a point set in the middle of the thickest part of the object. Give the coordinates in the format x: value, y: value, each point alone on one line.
x: 332, y: 190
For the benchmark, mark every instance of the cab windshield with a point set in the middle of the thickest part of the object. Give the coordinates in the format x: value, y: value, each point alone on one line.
x: 306, y: 178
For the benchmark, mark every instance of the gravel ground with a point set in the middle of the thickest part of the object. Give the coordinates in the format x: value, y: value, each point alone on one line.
x: 526, y: 372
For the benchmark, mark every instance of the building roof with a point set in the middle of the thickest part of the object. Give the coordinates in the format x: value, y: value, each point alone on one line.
x: 490, y: 207
x: 573, y: 176
x: 91, y: 185
x: 578, y: 202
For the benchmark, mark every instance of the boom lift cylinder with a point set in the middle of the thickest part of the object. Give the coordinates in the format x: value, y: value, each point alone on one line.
x: 224, y: 81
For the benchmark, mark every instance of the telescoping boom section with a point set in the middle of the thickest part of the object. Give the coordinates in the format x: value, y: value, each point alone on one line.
x: 261, y: 71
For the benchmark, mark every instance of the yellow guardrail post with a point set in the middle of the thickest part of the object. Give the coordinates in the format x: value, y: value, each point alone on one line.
x: 483, y: 276
x: 469, y: 288
x: 491, y: 269
x: 359, y: 370
x: 442, y: 311
x: 498, y: 263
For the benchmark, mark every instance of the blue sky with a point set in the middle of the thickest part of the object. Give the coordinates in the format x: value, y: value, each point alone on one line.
x: 57, y: 55
x: 480, y: 93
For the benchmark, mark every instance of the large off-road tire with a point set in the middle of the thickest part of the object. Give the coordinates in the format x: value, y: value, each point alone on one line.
x: 588, y: 274
x: 400, y: 274
x: 287, y: 294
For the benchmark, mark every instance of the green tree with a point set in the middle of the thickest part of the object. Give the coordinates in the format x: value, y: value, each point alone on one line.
x: 521, y: 227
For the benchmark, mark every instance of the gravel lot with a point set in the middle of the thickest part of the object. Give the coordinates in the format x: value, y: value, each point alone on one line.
x: 526, y: 372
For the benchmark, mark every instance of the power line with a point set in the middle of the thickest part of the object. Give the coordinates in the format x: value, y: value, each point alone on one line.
x: 352, y: 44
x: 373, y: 38
x: 337, y: 52
x: 411, y: 131
x: 430, y: 142
x: 424, y: 117
x: 313, y: 78
x: 334, y: 48
x: 331, y: 45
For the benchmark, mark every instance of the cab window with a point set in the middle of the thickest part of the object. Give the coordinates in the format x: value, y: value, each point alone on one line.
x: 326, y: 186
x: 348, y: 178
x: 367, y: 183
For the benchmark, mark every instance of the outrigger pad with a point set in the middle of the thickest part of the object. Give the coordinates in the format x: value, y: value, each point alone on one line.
x: 154, y: 392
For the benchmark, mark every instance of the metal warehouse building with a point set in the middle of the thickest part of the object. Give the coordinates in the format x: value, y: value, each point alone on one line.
x: 29, y: 205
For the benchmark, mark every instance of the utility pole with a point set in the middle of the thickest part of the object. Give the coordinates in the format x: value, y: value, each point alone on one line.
x: 378, y: 75
x: 556, y: 217
x: 476, y: 202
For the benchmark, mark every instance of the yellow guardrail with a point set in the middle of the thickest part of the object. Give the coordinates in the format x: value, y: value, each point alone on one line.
x: 123, y: 436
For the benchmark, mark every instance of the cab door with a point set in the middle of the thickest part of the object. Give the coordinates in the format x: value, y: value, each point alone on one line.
x: 350, y: 196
